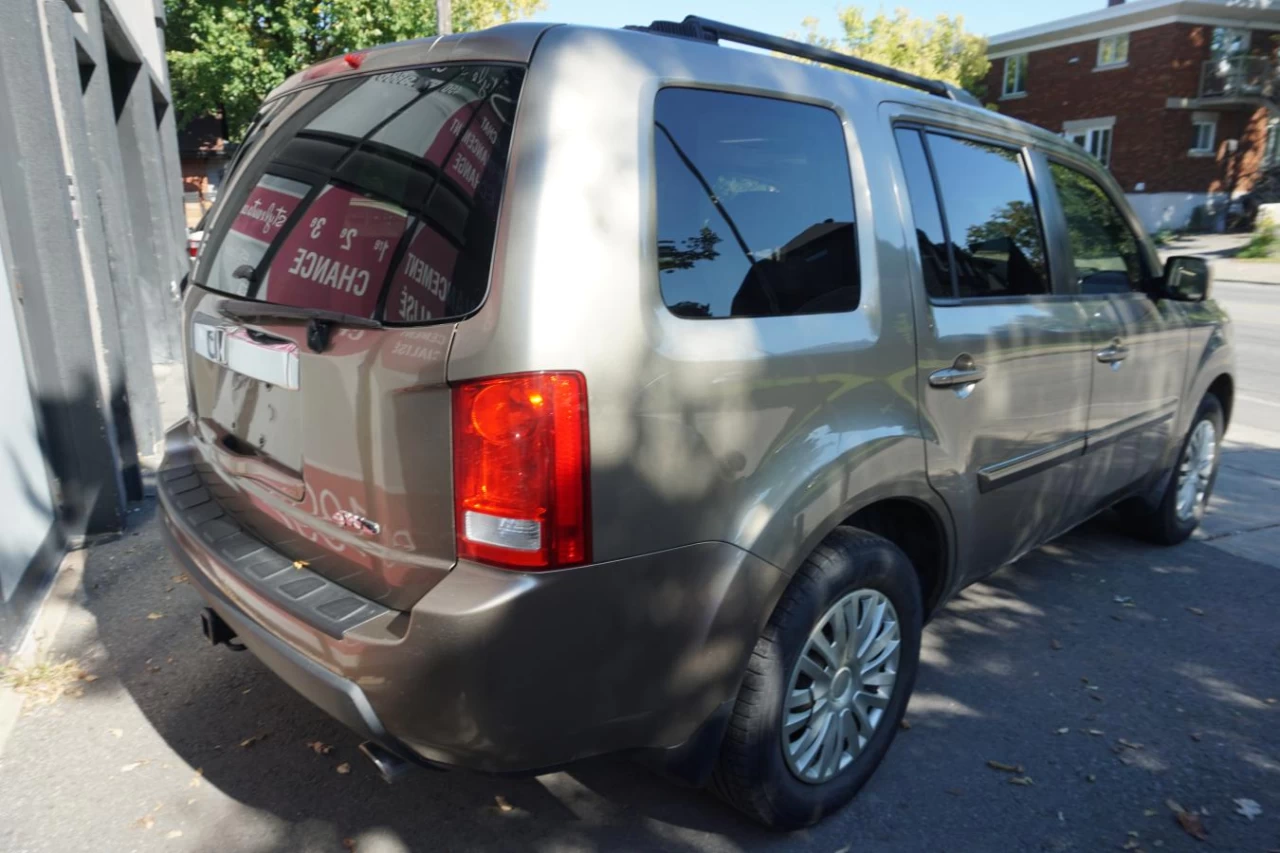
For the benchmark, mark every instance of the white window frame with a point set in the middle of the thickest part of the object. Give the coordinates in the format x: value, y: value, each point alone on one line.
x: 1019, y: 82
x: 1094, y: 131
x: 1199, y: 120
x: 1119, y: 45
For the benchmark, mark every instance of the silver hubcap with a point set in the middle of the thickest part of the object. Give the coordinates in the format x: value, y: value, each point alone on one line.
x: 1196, y: 469
x: 840, y: 686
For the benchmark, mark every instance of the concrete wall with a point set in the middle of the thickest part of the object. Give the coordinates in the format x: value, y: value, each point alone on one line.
x: 91, y: 188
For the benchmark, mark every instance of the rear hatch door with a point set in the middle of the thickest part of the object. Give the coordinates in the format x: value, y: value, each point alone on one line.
x: 356, y: 227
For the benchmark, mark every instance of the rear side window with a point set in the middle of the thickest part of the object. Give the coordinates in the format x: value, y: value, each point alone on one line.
x: 755, y: 207
x: 374, y: 196
x: 997, y: 245
x: 931, y: 234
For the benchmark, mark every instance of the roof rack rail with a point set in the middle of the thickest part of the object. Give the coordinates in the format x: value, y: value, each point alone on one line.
x: 703, y: 29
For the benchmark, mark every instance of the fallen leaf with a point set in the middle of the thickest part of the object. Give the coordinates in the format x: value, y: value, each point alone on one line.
x: 1196, y: 610
x: 174, y: 833
x: 1062, y: 731
x: 1007, y: 768
x: 73, y: 692
x: 905, y: 724
x: 129, y: 768
x: 1093, y: 687
x: 1271, y: 700
x: 1129, y: 744
x: 1097, y: 732
x: 300, y: 564
x: 1195, y: 736
x: 145, y: 822
x: 1020, y: 780
x: 116, y: 732
x: 179, y: 578
x: 1131, y: 844
x: 1191, y: 825
x: 195, y: 780
x: 343, y: 769
x: 319, y: 747
x: 1061, y: 817
x: 1128, y: 604
x: 1056, y: 645
x: 502, y: 804
x: 250, y: 741
x: 1248, y: 808
x: 1096, y: 697
x: 88, y: 677
x: 1174, y: 806
x: 245, y: 692
x: 153, y: 615
x: 1123, y: 599
x: 1149, y: 812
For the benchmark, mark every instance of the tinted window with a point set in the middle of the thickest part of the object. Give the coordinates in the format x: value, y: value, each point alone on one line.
x: 375, y: 196
x: 755, y: 207
x: 1104, y: 250
x: 935, y: 262
x: 991, y: 218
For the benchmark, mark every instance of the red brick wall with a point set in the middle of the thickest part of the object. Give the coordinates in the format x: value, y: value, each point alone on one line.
x: 1149, y: 141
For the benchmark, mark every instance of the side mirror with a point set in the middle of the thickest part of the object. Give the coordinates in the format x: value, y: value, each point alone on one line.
x: 1187, y: 279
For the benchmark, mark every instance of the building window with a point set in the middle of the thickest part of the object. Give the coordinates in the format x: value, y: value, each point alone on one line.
x: 1113, y: 50
x: 1203, y: 132
x: 1015, y: 75
x: 1271, y: 153
x: 1093, y: 136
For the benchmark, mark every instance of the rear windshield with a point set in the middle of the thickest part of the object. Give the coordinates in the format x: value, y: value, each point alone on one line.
x: 375, y: 196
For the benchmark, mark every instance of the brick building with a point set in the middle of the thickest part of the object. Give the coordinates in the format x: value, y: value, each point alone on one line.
x: 1179, y: 98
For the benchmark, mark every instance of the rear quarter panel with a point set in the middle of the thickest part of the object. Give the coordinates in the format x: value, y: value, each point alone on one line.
x: 764, y: 433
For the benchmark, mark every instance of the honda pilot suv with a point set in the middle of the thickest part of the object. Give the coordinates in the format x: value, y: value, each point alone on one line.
x: 557, y: 391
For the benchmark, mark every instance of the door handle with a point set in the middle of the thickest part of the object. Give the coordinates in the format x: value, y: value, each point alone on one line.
x: 1113, y: 354
x: 963, y: 372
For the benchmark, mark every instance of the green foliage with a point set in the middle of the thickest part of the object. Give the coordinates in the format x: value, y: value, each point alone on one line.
x: 1263, y: 243
x: 940, y: 49
x: 226, y: 55
x: 1164, y: 236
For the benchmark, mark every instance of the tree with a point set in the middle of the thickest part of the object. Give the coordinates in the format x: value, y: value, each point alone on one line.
x: 940, y: 49
x: 226, y: 55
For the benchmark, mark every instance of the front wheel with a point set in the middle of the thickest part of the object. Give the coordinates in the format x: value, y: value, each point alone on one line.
x: 827, y: 684
x: 1182, y: 506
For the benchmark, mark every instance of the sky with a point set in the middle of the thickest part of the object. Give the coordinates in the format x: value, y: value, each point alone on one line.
x: 780, y: 17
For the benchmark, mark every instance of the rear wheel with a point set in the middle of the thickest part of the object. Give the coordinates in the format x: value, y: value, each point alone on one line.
x: 1183, y: 503
x: 827, y: 684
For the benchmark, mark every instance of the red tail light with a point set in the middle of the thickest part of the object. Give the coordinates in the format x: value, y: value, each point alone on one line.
x: 520, y: 470
x: 193, y: 248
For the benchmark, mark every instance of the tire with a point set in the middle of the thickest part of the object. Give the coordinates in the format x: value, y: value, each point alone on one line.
x: 753, y: 772
x: 1164, y: 525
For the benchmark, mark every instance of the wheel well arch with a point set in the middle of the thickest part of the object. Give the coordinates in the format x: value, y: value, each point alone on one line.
x: 1224, y: 389
x: 916, y: 528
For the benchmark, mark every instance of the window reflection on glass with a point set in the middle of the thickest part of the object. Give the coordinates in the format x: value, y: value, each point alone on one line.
x: 755, y: 207
x: 992, y: 218
x: 373, y: 196
x: 1103, y: 248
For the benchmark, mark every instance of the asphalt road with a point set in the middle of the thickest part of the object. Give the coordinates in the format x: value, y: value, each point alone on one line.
x: 1161, y: 665
x: 1255, y: 310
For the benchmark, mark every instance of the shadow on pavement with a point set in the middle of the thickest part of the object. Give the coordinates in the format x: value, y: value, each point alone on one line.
x: 1171, y: 651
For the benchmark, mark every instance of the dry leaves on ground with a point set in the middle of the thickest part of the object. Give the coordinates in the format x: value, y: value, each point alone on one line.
x: 1189, y: 821
x: 342, y: 769
x: 145, y: 822
x: 1195, y: 610
x: 502, y: 804
x: 174, y: 833
x: 44, y: 682
x: 250, y: 741
x: 1021, y: 780
x: 195, y: 780
x: 1005, y: 768
x: 1248, y: 808
x: 154, y: 616
x: 320, y: 747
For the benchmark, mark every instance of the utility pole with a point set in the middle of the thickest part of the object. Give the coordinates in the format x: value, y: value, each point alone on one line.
x: 444, y: 17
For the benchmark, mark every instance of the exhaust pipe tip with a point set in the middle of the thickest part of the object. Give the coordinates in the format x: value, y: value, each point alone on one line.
x: 390, y: 766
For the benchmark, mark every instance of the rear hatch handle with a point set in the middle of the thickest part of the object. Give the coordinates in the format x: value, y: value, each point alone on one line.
x: 320, y: 321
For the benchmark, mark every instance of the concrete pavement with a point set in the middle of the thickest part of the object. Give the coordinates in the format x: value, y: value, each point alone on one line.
x: 1162, y: 666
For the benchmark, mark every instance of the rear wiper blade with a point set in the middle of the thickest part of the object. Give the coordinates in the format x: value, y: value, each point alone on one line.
x: 236, y: 309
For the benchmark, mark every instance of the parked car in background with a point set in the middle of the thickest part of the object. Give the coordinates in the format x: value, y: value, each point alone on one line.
x: 194, y: 238
x: 559, y: 391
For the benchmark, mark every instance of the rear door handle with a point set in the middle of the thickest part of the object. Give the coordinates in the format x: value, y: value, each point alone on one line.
x: 963, y: 372
x: 1113, y: 354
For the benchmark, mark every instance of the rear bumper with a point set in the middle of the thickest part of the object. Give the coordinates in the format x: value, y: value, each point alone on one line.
x: 493, y: 670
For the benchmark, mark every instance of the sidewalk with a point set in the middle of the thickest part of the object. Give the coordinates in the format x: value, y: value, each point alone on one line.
x: 1221, y: 248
